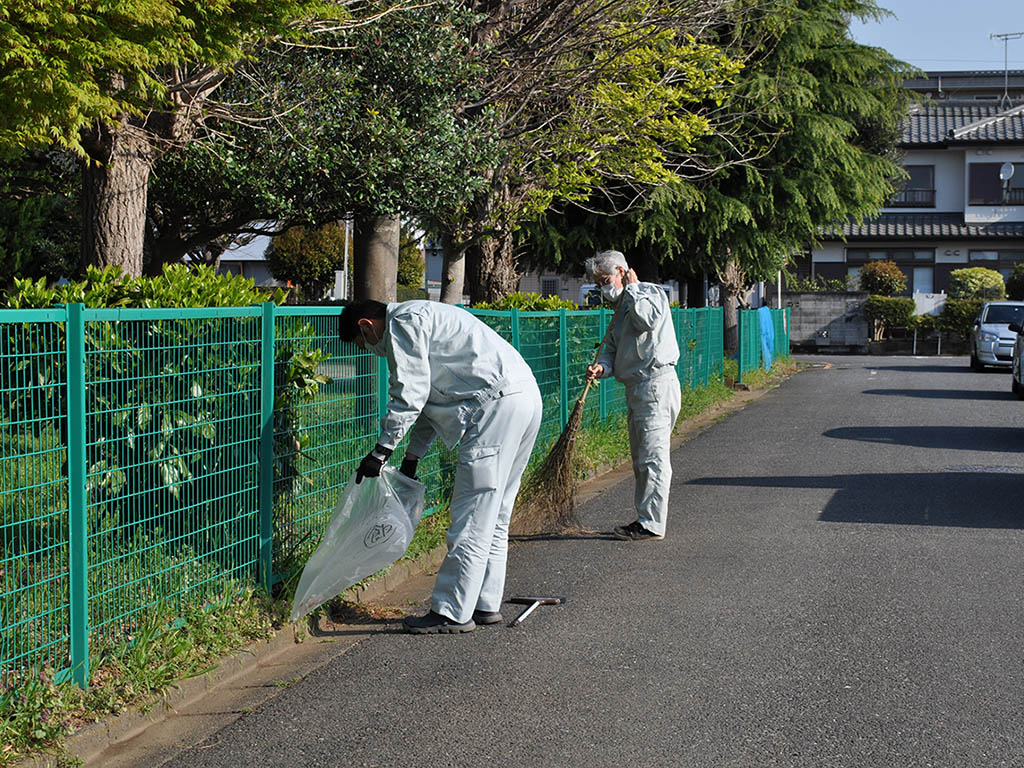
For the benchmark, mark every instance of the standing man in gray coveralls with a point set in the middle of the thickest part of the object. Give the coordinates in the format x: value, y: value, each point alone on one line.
x: 642, y: 353
x: 452, y: 376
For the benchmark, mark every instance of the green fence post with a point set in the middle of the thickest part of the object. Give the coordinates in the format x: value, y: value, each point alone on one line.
x: 266, y: 476
x: 602, y: 390
x: 382, y: 389
x: 514, y: 316
x: 739, y: 351
x: 77, y: 534
x: 563, y: 365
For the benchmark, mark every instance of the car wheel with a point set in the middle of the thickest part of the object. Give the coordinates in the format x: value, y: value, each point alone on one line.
x: 976, y: 363
x: 1015, y: 386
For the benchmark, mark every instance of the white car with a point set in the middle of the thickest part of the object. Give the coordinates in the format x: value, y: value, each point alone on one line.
x: 1016, y: 384
x: 992, y: 341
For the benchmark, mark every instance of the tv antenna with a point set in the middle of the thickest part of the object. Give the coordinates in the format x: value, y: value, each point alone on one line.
x: 1006, y: 37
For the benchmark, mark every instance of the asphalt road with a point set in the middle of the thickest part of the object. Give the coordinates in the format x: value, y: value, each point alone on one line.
x: 841, y: 586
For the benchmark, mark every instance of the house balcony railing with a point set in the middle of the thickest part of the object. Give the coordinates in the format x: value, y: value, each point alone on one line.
x: 913, y: 198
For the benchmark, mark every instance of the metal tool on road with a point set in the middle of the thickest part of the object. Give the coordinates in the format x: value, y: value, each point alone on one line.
x: 533, y: 602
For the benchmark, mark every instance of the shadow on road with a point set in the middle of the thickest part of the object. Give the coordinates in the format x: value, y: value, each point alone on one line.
x: 945, y: 394
x: 976, y: 497
x: 1008, y: 439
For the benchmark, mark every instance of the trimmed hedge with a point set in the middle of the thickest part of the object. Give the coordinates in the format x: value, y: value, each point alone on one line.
x: 890, y: 312
x: 958, y: 315
x: 976, y: 283
x: 882, y: 278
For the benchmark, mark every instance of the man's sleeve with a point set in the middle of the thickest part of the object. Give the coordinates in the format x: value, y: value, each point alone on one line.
x: 409, y: 379
x: 646, y: 307
x: 421, y: 438
x: 607, y: 356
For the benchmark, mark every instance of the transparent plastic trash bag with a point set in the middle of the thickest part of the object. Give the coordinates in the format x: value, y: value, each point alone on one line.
x: 370, y: 528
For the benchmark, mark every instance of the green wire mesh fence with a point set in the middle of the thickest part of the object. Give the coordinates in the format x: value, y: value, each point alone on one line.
x: 150, y: 457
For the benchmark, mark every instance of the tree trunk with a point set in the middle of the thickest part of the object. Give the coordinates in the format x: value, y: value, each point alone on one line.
x: 730, y: 321
x: 492, y: 269
x: 453, y: 277
x: 375, y: 258
x: 114, y: 190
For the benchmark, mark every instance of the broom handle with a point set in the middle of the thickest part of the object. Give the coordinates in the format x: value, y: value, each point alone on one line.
x: 600, y: 349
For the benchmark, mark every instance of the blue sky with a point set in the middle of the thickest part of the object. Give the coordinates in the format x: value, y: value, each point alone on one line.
x: 943, y: 34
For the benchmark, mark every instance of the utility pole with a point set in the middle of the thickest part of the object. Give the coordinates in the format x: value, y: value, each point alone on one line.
x: 1006, y: 37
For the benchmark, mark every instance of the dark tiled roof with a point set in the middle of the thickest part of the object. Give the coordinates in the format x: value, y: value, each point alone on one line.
x: 956, y: 122
x: 891, y: 226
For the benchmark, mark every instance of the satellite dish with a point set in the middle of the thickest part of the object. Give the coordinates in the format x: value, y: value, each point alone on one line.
x: 1006, y: 171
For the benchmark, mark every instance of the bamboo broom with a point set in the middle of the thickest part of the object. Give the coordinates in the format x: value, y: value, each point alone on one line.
x: 550, y: 493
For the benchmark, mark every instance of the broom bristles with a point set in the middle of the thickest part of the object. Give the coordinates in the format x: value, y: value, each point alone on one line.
x: 550, y: 495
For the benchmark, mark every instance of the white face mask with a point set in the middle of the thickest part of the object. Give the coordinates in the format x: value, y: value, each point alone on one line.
x: 611, y: 291
x: 378, y: 348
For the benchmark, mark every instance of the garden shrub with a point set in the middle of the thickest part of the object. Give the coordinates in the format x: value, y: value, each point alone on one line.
x: 882, y: 278
x: 816, y: 284
x: 528, y: 302
x: 976, y: 283
x: 889, y: 312
x: 958, y: 315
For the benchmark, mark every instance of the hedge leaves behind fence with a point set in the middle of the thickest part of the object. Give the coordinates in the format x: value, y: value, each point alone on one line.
x: 171, y: 442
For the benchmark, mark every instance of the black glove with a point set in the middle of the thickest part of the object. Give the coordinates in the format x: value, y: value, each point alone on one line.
x: 372, y: 462
x: 408, y: 467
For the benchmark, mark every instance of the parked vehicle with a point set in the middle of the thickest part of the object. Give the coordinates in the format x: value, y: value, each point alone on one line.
x: 1016, y: 385
x: 992, y: 341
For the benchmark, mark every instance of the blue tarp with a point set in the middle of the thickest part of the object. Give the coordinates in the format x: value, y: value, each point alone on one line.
x: 767, y: 336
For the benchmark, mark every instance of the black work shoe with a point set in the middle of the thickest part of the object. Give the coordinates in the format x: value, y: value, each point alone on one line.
x: 635, y: 532
x: 435, y: 624
x: 487, y: 617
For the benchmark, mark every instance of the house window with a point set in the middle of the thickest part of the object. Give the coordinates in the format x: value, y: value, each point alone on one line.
x: 918, y: 191
x: 549, y: 286
x: 985, y: 187
x: 1001, y: 261
x: 860, y: 255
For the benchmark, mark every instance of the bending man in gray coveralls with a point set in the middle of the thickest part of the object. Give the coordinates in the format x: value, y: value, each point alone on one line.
x: 641, y: 353
x: 451, y: 375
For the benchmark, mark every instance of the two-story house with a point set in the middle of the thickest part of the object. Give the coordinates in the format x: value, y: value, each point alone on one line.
x: 963, y: 203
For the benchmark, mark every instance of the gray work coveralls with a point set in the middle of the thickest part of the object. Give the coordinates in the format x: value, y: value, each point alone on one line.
x: 642, y: 352
x: 452, y: 376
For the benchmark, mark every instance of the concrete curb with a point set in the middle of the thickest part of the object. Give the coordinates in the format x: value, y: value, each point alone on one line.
x: 91, y: 741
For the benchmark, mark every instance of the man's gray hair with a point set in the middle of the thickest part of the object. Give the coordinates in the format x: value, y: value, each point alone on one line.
x: 605, y: 262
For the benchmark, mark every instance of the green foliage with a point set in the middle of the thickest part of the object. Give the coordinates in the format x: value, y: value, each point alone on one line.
x: 409, y: 294
x: 816, y: 120
x: 924, y: 323
x: 976, y: 283
x: 177, y: 286
x: 308, y: 257
x: 134, y: 669
x: 40, y: 218
x: 411, y: 266
x: 958, y: 315
x: 817, y: 284
x: 369, y: 126
x: 882, y: 278
x: 890, y: 311
x: 1015, y: 283
x: 63, y: 66
x: 528, y: 302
